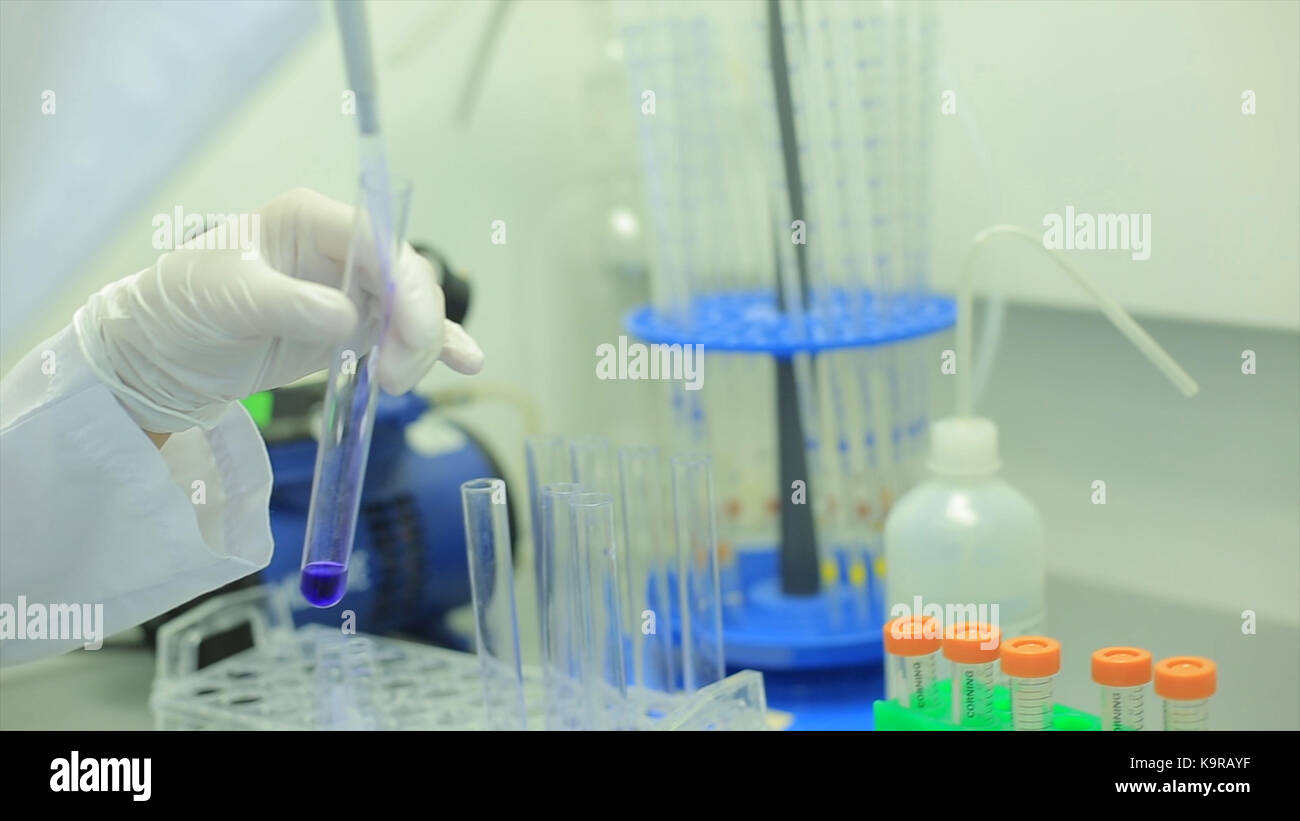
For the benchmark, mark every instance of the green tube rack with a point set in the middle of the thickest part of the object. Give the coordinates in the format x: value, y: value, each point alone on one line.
x: 890, y: 715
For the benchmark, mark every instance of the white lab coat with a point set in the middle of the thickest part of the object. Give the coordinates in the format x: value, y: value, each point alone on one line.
x: 91, y: 512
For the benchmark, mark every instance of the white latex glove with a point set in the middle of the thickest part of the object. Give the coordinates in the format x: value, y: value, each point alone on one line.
x: 202, y: 328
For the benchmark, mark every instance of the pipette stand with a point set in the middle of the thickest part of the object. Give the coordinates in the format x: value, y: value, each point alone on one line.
x: 820, y: 660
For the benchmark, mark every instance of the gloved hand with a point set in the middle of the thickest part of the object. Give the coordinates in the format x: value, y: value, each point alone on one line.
x: 202, y: 328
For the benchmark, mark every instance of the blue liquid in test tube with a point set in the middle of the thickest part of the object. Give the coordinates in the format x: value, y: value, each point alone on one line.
x: 348, y: 414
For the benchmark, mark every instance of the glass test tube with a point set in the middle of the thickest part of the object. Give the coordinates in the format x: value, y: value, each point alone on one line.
x: 547, y: 463
x: 604, y: 668
x: 1032, y: 663
x: 491, y: 578
x: 1186, y: 684
x: 644, y: 515
x: 912, y: 645
x: 593, y: 464
x: 595, y: 468
x: 560, y: 607
x: 972, y: 647
x: 1123, y: 673
x: 698, y: 583
x: 352, y: 392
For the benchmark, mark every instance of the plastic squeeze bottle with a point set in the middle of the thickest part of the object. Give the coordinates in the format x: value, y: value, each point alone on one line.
x: 964, y: 541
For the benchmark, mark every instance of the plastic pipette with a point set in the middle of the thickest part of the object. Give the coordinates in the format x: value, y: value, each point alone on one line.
x: 352, y: 392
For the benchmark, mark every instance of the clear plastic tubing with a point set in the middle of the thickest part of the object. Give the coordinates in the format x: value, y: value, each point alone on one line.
x: 1186, y: 684
x: 1123, y: 674
x: 973, y: 649
x: 491, y: 578
x: 351, y: 394
x: 912, y: 645
x: 1031, y: 663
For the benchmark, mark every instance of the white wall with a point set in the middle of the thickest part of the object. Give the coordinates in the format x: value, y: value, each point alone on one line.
x: 1131, y: 108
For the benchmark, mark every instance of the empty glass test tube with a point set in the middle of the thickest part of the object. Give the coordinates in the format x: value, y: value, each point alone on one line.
x: 1123, y: 673
x: 644, y: 525
x: 491, y: 578
x: 699, y: 613
x: 593, y: 464
x: 604, y: 667
x: 1186, y: 684
x: 972, y: 647
x: 912, y: 645
x: 547, y: 462
x: 561, y: 610
x: 1031, y: 662
x: 596, y: 469
x: 352, y: 392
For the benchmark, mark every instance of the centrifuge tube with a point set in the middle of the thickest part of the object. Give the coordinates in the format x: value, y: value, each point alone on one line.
x: 912, y: 645
x: 1186, y: 684
x: 351, y: 394
x: 1123, y: 673
x: 1031, y: 662
x: 491, y: 579
x: 972, y: 647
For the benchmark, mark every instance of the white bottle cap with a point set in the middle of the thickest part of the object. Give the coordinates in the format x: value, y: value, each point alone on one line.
x: 964, y: 446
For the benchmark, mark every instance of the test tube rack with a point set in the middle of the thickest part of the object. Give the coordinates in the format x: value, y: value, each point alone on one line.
x: 890, y: 715
x: 316, y: 678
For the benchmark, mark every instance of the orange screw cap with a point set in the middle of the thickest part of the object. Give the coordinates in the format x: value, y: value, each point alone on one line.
x: 1031, y: 657
x: 1186, y: 678
x: 1121, y: 666
x: 912, y: 636
x: 971, y: 643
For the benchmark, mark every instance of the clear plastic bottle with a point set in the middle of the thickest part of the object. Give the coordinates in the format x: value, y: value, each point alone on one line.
x: 1123, y: 673
x: 964, y: 538
x: 1186, y: 684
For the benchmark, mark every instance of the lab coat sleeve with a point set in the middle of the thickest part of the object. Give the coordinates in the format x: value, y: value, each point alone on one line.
x: 93, y: 513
